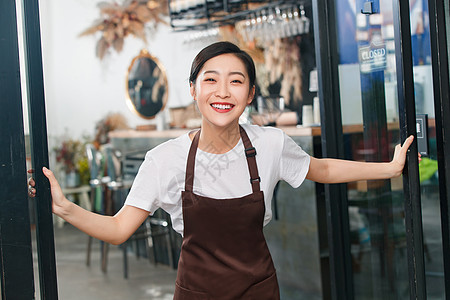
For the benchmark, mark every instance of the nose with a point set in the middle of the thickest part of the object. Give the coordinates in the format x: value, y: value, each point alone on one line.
x: 222, y: 90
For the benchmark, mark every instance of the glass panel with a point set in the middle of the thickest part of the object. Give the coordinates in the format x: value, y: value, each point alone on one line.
x: 370, y: 117
x: 376, y: 214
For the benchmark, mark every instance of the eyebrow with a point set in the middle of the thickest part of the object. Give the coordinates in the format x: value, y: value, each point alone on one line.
x: 231, y: 73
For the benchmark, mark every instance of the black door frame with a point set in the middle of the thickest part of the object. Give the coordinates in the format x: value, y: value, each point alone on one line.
x: 16, y: 261
x: 340, y: 277
x: 39, y: 149
x: 411, y: 182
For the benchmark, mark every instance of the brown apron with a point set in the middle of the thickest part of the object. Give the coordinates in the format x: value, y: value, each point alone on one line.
x: 224, y: 254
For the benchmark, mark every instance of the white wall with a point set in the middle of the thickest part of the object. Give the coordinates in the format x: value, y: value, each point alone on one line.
x: 79, y: 88
x: 350, y: 89
x: 351, y: 101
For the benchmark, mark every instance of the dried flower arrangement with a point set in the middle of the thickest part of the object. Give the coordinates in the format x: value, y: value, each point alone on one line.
x: 112, y: 121
x: 117, y: 21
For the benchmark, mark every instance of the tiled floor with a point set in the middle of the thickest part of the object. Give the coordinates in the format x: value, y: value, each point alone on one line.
x: 76, y: 281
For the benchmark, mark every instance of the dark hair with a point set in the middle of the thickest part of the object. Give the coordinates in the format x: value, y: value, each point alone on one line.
x: 217, y: 49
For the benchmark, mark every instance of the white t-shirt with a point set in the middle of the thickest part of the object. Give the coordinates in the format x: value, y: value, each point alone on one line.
x: 160, y: 179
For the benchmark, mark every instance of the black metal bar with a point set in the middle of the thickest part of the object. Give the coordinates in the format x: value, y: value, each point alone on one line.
x: 325, y: 38
x: 440, y: 63
x: 322, y: 226
x: 407, y: 115
x: 39, y: 150
x: 16, y: 259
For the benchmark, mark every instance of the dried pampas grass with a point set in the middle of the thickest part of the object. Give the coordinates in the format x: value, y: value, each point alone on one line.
x: 117, y: 21
x: 282, y: 58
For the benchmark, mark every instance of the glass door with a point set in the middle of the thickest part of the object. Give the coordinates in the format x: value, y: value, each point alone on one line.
x: 379, y: 63
x: 372, y: 105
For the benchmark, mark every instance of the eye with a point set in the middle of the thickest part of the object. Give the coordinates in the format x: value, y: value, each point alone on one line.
x: 236, y: 81
x: 210, y: 79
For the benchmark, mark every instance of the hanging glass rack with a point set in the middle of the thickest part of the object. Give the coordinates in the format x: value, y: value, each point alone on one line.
x: 205, y: 14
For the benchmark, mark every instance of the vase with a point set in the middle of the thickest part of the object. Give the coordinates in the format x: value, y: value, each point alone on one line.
x: 72, y: 179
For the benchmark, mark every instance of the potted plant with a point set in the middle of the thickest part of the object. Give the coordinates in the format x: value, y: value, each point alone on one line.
x: 71, y: 156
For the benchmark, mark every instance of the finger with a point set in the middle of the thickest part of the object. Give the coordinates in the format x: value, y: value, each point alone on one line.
x: 407, y: 144
x: 31, y: 192
x: 408, y: 141
x: 31, y: 181
x: 51, y: 177
x: 30, y: 171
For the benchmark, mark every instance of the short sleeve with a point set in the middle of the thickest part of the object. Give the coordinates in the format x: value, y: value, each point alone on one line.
x: 294, y: 162
x: 144, y: 193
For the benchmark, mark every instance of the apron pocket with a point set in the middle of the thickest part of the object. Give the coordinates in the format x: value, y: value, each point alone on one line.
x: 182, y: 293
x: 265, y: 290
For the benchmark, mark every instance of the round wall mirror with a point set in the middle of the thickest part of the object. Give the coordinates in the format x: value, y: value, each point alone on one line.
x: 146, y: 85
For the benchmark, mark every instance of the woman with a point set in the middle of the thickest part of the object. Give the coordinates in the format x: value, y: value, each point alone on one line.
x: 217, y: 182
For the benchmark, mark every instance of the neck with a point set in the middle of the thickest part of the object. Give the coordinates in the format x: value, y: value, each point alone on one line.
x: 218, y: 140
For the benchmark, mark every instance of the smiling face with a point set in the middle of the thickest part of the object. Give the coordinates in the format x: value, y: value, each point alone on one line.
x: 222, y: 90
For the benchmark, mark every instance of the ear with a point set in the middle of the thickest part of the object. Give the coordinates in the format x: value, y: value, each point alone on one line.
x: 192, y: 90
x: 251, y: 95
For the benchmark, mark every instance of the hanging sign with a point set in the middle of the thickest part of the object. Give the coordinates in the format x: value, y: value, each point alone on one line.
x: 372, y: 58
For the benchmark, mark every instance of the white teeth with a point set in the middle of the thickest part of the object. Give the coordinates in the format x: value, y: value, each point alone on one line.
x: 221, y: 106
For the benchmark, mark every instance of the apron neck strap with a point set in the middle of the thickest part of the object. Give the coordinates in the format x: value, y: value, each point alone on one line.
x: 189, y: 180
x: 250, y: 153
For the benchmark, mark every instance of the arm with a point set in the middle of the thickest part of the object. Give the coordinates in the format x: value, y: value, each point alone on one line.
x: 112, y: 229
x: 329, y: 170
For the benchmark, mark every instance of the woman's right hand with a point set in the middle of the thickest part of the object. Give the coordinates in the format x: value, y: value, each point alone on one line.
x: 59, y: 201
x: 112, y: 229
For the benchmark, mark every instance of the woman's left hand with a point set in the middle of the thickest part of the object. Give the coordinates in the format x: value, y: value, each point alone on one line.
x: 399, y: 159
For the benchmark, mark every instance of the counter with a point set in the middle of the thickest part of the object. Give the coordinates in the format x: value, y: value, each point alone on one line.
x: 173, y: 133
x: 293, y: 131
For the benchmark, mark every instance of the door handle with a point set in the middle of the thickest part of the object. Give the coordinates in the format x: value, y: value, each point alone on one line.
x: 422, y: 134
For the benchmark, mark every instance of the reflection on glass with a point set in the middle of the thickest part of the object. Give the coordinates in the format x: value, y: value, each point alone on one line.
x: 146, y: 86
